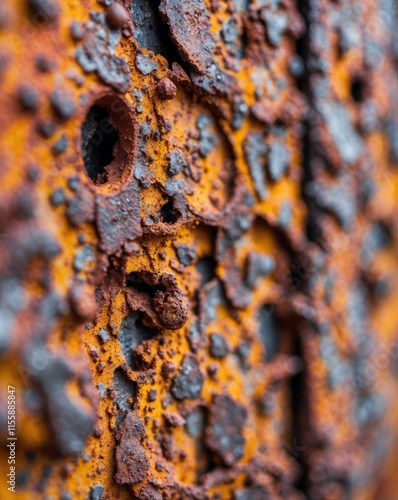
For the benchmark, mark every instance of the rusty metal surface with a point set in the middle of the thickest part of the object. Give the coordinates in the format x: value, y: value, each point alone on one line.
x: 198, y: 271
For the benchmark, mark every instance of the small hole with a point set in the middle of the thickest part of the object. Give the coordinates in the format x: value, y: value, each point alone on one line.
x: 169, y: 215
x: 357, y: 90
x: 99, y: 138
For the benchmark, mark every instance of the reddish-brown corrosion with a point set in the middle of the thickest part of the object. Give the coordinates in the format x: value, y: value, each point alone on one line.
x: 198, y: 240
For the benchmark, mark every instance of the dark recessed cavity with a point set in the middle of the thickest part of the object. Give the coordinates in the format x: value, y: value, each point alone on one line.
x: 99, y: 138
x: 108, y: 140
x: 357, y: 90
x: 168, y: 213
x: 134, y: 280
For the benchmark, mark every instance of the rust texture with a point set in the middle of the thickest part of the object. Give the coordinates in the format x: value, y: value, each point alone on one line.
x: 198, y: 248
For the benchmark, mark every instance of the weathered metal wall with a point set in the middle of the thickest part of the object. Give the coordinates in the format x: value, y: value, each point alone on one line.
x: 198, y: 248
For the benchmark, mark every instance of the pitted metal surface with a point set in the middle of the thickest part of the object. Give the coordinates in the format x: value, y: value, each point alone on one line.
x: 198, y: 268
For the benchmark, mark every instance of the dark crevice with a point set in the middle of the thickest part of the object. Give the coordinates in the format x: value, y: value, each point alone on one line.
x: 152, y: 33
x: 244, y: 42
x: 302, y: 51
x: 134, y: 280
x: 313, y: 231
x: 299, y: 425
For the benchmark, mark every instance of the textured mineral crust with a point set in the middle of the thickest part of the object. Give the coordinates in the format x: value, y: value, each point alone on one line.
x: 198, y: 248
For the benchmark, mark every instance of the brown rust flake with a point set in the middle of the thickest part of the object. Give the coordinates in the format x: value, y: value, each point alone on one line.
x: 189, y: 27
x: 132, y: 463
